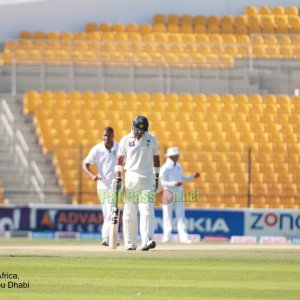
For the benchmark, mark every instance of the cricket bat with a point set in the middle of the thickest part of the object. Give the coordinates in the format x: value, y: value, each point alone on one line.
x: 114, y: 226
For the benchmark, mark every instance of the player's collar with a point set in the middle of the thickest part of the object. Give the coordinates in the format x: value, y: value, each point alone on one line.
x: 170, y: 162
x: 144, y: 135
x: 109, y: 150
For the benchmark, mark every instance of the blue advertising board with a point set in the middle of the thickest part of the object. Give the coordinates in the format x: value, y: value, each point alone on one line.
x: 206, y: 222
x: 68, y: 219
x: 14, y: 218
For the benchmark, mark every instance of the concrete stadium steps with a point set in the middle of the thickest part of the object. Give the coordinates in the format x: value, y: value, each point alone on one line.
x: 16, y: 186
x: 261, y: 78
x: 151, y: 79
x: 15, y: 189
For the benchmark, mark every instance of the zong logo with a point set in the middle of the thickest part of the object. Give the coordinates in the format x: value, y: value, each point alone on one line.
x: 274, y: 220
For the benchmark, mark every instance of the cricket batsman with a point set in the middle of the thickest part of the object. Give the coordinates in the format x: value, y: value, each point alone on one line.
x: 138, y: 151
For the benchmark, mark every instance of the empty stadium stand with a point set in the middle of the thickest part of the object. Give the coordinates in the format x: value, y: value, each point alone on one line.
x: 222, y: 136
x: 27, y: 174
x: 230, y: 54
x: 218, y: 87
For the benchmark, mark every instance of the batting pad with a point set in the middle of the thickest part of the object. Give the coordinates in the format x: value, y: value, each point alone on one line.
x: 146, y: 221
x: 130, y: 221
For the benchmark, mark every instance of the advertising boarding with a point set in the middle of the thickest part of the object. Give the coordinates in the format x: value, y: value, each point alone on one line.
x: 272, y: 222
x: 14, y: 218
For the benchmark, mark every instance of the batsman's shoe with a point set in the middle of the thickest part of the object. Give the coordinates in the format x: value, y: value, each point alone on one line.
x: 186, y: 241
x: 149, y: 245
x: 104, y: 242
x: 166, y: 240
x: 130, y: 247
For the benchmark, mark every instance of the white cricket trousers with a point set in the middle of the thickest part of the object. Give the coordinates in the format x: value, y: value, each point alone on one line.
x: 105, y: 198
x: 180, y: 221
x: 139, y: 198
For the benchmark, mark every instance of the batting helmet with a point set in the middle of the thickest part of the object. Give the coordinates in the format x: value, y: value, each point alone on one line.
x: 140, y: 123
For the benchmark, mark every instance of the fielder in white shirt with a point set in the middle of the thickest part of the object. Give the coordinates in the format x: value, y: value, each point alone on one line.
x: 104, y: 155
x: 139, y: 151
x: 172, y: 179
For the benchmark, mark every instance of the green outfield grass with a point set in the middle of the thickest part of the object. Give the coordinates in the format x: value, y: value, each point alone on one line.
x: 173, y: 274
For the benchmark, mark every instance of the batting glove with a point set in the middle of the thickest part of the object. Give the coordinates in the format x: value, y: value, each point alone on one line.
x: 116, y: 184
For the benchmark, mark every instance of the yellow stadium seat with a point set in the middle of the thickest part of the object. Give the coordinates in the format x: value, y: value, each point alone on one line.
x: 186, y: 19
x: 53, y: 35
x: 186, y: 28
x: 259, y: 51
x: 200, y: 24
x: 258, y: 39
x: 296, y: 51
x: 25, y: 34
x: 186, y: 24
x: 66, y: 36
x: 159, y: 28
x: 26, y: 44
x: 286, y: 51
x: 289, y: 189
x: 176, y: 38
x: 270, y: 178
x: 254, y: 24
x: 227, y: 24
x: 295, y: 40
x: 243, y: 39
x: 173, y: 19
x: 34, y: 56
x: 272, y: 51
x: 284, y: 100
x: 159, y: 18
x: 118, y: 27
x: 260, y: 188
x: 251, y: 10
x: 292, y: 11
x: 281, y: 24
x: 31, y: 101
x: 240, y: 25
x: 188, y: 38
x: 90, y: 27
x: 229, y: 39
x: 215, y: 38
x: 80, y: 36
x: 21, y: 56
x: 105, y: 27
x: 39, y: 35
x: 265, y: 10
x: 132, y: 27
x: 278, y: 10
x: 267, y: 24
x: 238, y: 147
x: 146, y: 28
x: 213, y: 24
x: 275, y: 137
x: 270, y: 39
x: 294, y: 25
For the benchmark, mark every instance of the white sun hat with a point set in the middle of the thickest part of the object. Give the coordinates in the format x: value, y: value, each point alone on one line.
x: 172, y: 151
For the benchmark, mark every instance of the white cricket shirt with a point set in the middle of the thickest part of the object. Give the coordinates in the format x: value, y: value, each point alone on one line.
x: 105, y: 161
x: 170, y: 173
x: 139, y: 153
